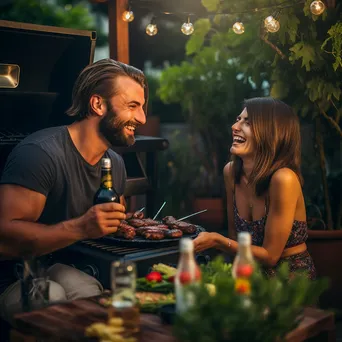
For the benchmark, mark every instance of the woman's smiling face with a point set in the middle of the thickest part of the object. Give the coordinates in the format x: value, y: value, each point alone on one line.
x: 243, y: 140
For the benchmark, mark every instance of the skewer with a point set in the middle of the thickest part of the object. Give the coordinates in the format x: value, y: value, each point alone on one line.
x: 142, y: 209
x: 185, y: 217
x: 159, y: 211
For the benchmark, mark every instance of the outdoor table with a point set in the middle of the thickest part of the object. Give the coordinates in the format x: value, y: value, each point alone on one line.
x: 67, y: 322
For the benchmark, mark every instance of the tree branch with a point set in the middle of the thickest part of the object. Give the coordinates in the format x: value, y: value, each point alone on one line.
x: 273, y: 46
x: 338, y: 112
x: 332, y: 122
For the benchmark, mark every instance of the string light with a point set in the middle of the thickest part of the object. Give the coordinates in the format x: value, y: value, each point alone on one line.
x: 238, y: 27
x: 317, y: 7
x: 151, y: 28
x: 187, y: 28
x: 271, y: 24
x: 128, y: 15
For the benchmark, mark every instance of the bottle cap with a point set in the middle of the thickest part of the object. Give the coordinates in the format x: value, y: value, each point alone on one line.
x: 186, y: 245
x: 244, y: 238
x: 106, y: 163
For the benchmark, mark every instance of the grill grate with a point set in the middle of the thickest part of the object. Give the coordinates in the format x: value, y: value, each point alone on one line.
x: 11, y: 137
x: 118, y: 250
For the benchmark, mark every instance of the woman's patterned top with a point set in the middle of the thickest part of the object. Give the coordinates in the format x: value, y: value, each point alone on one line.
x: 298, y: 235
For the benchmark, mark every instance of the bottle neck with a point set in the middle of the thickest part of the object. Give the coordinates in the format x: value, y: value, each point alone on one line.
x: 245, y: 253
x: 186, y: 258
x: 106, y: 178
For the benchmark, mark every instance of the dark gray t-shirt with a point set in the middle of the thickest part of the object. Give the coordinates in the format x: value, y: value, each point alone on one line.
x: 48, y: 162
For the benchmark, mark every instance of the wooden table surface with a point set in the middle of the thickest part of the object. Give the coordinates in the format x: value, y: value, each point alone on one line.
x: 67, y: 322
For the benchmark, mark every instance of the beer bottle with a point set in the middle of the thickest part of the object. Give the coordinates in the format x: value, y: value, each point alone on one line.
x: 106, y: 192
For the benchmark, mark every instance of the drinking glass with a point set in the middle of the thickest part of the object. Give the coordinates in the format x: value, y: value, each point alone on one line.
x: 123, y: 279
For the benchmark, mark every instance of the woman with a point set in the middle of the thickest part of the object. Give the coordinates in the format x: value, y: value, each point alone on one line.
x: 264, y: 188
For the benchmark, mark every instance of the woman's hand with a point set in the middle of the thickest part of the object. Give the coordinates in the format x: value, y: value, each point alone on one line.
x: 205, y: 241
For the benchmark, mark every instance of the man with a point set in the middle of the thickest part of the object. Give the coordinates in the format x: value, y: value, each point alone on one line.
x: 50, y: 178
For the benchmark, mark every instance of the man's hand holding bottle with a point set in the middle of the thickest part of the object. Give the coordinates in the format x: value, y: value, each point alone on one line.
x: 102, y: 219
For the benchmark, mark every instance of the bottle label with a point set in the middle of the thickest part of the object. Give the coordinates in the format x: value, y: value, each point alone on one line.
x: 107, y: 181
x: 185, y: 299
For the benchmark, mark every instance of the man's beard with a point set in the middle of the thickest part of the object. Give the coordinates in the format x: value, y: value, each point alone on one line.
x: 113, y: 129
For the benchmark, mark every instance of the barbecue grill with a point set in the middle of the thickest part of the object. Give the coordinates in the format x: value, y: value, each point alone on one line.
x: 42, y: 65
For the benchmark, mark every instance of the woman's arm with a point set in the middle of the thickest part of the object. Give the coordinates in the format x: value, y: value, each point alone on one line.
x: 284, y: 192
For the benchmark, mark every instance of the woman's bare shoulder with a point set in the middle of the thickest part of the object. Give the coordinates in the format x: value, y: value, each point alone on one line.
x: 228, y: 175
x: 228, y: 169
x: 285, y: 178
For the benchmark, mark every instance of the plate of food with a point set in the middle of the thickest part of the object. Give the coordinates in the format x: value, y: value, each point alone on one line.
x: 138, y: 230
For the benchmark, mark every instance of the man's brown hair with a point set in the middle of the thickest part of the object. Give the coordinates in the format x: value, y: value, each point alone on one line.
x: 99, y: 78
x: 276, y: 132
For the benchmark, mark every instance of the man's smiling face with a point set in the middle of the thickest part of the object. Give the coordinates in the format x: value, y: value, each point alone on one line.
x: 124, y: 112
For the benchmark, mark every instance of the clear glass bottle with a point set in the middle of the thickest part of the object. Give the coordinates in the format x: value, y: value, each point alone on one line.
x: 188, y: 273
x: 243, y: 264
x: 106, y: 192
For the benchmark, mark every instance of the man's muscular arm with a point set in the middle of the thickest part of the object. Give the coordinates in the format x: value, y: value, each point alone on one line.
x: 21, y: 236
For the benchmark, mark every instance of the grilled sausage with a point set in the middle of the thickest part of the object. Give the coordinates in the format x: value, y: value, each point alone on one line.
x: 143, y: 222
x: 150, y: 222
x: 126, y: 231
x: 186, y: 228
x: 154, y: 234
x: 136, y: 223
x: 173, y: 233
x: 168, y: 220
x: 136, y: 215
x: 141, y: 230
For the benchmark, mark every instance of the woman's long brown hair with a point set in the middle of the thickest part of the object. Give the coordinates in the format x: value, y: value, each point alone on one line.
x: 276, y: 131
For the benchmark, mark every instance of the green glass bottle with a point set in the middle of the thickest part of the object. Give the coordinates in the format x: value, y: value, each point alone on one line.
x: 106, y: 192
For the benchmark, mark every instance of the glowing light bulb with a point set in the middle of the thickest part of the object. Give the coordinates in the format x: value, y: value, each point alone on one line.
x: 128, y: 16
x: 151, y: 29
x: 273, y: 26
x: 317, y: 7
x: 238, y: 28
x: 268, y: 20
x: 187, y: 28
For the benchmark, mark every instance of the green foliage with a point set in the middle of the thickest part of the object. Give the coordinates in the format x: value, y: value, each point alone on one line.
x: 202, y: 27
x: 335, y: 37
x: 305, y: 52
x: 215, y: 268
x: 38, y: 12
x: 307, y: 48
x: 270, y: 312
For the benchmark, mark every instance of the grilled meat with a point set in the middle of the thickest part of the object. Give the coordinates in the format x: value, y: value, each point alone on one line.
x: 186, y: 228
x: 141, y: 230
x: 137, y: 223
x: 135, y: 215
x: 173, y: 233
x: 154, y: 234
x: 168, y: 220
x: 126, y: 231
x: 150, y: 222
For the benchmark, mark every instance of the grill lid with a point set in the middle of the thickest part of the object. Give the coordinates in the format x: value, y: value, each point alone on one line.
x: 49, y: 60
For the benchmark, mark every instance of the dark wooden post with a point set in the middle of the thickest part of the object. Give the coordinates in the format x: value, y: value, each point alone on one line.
x: 118, y: 31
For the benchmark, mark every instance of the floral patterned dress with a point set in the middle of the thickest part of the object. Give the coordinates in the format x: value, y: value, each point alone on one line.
x: 298, y: 235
